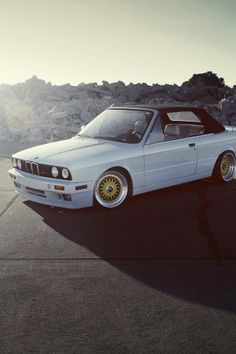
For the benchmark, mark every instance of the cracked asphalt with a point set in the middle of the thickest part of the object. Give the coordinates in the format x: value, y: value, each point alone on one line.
x: 156, y: 276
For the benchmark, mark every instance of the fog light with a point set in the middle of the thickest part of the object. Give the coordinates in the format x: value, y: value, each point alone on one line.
x: 66, y: 197
x: 17, y: 184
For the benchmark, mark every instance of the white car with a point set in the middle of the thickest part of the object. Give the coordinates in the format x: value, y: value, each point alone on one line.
x: 123, y: 152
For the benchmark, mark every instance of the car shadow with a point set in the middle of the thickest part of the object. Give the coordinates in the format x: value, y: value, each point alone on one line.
x: 145, y: 237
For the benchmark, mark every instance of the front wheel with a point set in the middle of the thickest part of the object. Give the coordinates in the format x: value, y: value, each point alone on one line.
x: 111, y: 189
x: 225, y: 167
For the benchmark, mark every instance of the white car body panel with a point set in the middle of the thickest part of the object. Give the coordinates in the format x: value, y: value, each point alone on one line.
x: 169, y: 160
x: 150, y: 166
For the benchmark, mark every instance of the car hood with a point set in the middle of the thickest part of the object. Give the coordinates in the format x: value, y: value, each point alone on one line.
x: 76, y: 150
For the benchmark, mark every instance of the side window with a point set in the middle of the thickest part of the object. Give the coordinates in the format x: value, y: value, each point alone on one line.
x: 180, y: 131
x: 181, y: 124
x: 171, y: 132
x: 187, y: 130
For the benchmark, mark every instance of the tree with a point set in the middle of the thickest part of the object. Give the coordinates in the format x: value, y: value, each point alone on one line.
x: 205, y: 79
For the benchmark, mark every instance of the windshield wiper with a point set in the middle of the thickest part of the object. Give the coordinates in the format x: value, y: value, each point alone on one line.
x: 107, y: 137
x: 84, y: 135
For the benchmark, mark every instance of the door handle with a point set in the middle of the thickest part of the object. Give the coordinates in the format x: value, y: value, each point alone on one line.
x: 192, y: 145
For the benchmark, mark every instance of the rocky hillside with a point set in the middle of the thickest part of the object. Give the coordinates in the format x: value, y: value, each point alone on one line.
x: 39, y: 111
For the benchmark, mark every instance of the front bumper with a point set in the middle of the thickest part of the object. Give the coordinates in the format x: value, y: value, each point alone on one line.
x: 42, y: 190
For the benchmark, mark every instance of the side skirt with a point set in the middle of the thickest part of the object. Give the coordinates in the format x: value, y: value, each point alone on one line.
x: 174, y: 182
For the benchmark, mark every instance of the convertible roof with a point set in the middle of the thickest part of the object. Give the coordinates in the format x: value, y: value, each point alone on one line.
x: 159, y: 108
x: 206, y: 118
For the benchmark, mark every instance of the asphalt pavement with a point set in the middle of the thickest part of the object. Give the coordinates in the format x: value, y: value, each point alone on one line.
x: 155, y: 276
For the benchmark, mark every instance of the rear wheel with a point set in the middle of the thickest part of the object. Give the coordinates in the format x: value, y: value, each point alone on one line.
x: 111, y: 189
x: 225, y: 167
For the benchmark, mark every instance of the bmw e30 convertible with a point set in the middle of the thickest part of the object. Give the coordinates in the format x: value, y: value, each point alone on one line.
x: 123, y: 152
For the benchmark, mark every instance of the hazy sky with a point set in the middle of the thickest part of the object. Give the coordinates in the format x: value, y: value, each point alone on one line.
x: 164, y: 41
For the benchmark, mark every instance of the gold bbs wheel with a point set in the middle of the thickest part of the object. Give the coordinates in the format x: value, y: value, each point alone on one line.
x: 111, y: 189
x: 225, y: 167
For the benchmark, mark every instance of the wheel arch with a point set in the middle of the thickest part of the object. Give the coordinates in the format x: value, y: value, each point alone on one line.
x: 220, y: 151
x: 126, y: 173
x: 114, y: 169
x: 220, y: 155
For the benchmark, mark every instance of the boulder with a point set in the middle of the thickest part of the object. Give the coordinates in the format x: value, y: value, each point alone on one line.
x: 38, y: 111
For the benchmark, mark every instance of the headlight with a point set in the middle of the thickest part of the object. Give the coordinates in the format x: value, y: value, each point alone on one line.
x: 54, y: 171
x: 65, y: 173
x: 19, y: 165
x: 14, y: 162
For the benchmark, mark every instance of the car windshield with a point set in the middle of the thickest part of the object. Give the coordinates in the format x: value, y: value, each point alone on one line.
x: 123, y: 125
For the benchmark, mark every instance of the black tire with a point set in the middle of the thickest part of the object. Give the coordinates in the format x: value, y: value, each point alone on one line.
x: 224, y: 169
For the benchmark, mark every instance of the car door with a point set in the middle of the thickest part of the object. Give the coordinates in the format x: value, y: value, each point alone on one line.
x: 173, y: 156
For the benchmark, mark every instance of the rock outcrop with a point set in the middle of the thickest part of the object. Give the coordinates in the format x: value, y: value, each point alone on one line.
x: 38, y: 111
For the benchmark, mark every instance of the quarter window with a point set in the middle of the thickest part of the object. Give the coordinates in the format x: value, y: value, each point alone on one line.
x: 184, y: 116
